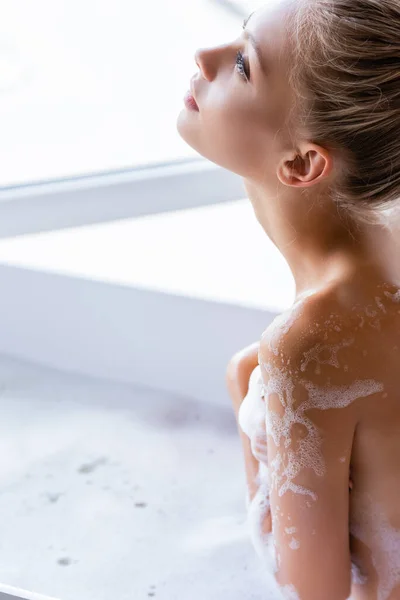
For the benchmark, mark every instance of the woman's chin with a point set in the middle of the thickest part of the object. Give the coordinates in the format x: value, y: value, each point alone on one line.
x: 186, y: 130
x: 190, y: 134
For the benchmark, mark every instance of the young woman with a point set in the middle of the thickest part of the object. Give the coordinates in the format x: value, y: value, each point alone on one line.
x: 305, y: 106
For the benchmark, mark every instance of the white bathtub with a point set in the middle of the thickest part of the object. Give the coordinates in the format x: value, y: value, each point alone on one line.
x: 122, y: 474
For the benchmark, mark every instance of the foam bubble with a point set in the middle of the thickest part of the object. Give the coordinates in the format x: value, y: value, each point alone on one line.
x: 294, y: 544
x: 290, y: 593
x: 290, y: 529
x: 308, y: 454
x: 263, y: 542
x: 251, y: 417
x: 380, y: 304
x: 375, y: 325
x: 356, y: 575
x: 315, y: 354
x: 394, y: 297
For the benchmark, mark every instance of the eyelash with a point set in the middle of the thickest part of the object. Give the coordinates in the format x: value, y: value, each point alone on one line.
x: 240, y: 62
x: 241, y: 66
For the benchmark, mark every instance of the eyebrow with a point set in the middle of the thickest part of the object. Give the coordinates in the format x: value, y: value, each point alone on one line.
x: 249, y: 36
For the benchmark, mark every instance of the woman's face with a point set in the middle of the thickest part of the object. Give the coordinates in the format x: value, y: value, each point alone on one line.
x: 243, y: 97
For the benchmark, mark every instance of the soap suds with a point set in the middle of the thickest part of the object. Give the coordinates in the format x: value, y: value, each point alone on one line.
x: 394, y: 297
x: 356, y: 576
x: 258, y: 421
x: 263, y: 542
x: 332, y: 350
x: 290, y: 529
x: 294, y: 544
x: 380, y: 304
x: 251, y: 417
x: 308, y: 454
x: 290, y: 592
x: 370, y: 312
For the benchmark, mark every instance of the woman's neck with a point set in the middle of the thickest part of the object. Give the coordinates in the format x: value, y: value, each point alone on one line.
x: 319, y: 244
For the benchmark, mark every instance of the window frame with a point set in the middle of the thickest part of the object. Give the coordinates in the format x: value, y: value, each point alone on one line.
x: 108, y: 196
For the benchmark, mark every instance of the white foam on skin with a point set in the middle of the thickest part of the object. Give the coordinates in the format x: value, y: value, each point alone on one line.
x: 380, y: 304
x: 314, y: 354
x: 308, y: 454
x: 394, y: 297
x: 283, y: 322
x: 356, y: 575
x: 264, y: 543
x: 251, y: 417
x: 371, y: 526
x: 294, y: 544
x: 259, y: 507
x: 290, y: 592
x: 290, y: 529
x: 370, y: 312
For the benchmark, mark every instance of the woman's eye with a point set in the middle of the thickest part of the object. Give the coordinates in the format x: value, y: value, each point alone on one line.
x: 241, y: 66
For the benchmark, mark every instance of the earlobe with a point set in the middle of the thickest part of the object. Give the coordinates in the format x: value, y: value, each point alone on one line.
x: 306, y: 170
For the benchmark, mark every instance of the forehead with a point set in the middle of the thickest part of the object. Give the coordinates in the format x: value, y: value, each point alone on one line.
x: 268, y: 24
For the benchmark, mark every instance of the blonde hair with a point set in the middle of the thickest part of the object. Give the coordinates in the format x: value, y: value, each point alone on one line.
x: 345, y: 71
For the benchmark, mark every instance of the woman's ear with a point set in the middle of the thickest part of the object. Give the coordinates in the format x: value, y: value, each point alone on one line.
x: 309, y: 167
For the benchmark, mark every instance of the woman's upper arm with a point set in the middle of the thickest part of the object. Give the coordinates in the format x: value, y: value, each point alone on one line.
x: 309, y: 500
x: 311, y: 417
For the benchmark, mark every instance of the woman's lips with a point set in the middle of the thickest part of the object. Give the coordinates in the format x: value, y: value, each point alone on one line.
x: 190, y: 102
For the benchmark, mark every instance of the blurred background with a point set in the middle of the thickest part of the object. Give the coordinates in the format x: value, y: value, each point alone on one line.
x: 131, y: 270
x: 95, y: 86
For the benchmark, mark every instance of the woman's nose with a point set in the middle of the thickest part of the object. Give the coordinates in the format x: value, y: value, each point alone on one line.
x: 205, y: 62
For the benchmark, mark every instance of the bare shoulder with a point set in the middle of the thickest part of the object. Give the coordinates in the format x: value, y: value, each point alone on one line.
x: 339, y: 316
x: 321, y: 347
x: 314, y: 321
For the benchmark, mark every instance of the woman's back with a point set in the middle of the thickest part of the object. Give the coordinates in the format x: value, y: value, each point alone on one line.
x: 375, y: 457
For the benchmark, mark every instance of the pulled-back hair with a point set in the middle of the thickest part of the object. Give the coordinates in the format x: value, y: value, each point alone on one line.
x: 345, y: 73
